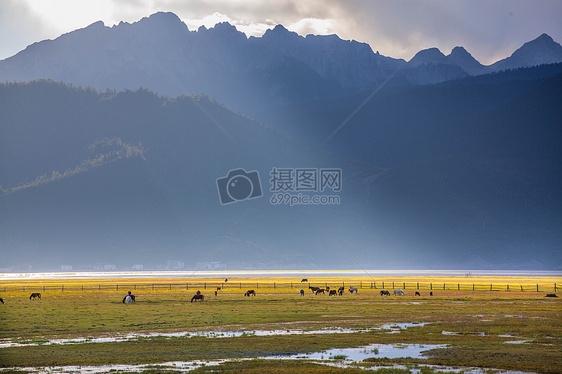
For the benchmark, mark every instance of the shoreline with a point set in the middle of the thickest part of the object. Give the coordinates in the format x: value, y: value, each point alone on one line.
x: 466, y: 274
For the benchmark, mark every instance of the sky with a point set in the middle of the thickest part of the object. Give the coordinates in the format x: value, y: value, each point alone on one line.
x: 490, y: 30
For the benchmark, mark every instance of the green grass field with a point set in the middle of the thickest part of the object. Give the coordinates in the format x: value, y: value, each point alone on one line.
x: 476, y: 324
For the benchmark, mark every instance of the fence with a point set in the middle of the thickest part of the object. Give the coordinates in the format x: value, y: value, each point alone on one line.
x: 380, y: 285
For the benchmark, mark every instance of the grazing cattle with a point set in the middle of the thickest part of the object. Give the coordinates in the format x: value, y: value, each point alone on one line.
x: 353, y: 289
x: 218, y: 288
x: 431, y: 293
x: 304, y: 280
x: 198, y: 297
x: 551, y: 295
x: 417, y: 294
x: 35, y: 295
x: 332, y: 292
x: 1, y: 300
x: 398, y: 292
x: 340, y: 291
x: 320, y: 291
x: 302, y: 292
x: 314, y: 289
x: 385, y: 293
x: 250, y: 292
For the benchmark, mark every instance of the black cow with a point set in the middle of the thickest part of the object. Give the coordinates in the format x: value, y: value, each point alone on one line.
x: 385, y: 293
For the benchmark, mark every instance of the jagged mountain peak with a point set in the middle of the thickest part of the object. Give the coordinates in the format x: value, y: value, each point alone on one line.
x: 542, y: 50
x: 425, y: 56
x: 463, y: 59
x: 279, y: 32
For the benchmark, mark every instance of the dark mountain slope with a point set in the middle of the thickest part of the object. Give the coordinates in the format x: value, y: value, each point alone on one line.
x: 470, y: 164
x: 131, y: 177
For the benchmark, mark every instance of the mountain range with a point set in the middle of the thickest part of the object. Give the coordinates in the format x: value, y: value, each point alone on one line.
x: 246, y: 74
x: 453, y: 165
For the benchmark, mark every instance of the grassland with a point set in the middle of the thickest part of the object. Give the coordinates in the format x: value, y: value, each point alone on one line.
x: 476, y: 323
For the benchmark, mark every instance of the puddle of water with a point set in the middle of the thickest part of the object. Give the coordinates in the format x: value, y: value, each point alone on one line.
x: 479, y: 333
x: 517, y: 342
x: 372, y: 351
x: 393, y: 327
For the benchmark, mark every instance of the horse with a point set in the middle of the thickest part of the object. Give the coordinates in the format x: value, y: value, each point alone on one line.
x: 302, y: 292
x: 35, y: 295
x: 198, y: 297
x: 385, y: 293
x: 340, y: 291
x: 551, y: 295
x: 353, y: 289
x: 304, y: 280
x: 320, y: 291
x: 314, y: 289
x: 398, y: 292
x: 417, y: 294
x: 250, y: 292
x: 131, y: 298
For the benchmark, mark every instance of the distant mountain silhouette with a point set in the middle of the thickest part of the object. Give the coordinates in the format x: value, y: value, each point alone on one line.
x: 246, y: 74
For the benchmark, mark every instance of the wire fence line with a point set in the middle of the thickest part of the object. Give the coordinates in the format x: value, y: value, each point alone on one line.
x: 233, y: 286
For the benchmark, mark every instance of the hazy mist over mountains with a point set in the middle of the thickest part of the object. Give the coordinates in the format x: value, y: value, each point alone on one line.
x: 444, y: 162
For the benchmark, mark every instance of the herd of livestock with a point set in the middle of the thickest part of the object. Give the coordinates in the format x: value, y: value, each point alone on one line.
x: 315, y: 290
x: 199, y: 297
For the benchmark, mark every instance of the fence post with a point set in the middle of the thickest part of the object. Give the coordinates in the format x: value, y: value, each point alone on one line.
x: 431, y: 286
x: 187, y: 285
x: 152, y: 286
x: 418, y: 285
x: 443, y: 286
x: 490, y: 287
x: 472, y: 286
x: 404, y: 285
x: 82, y: 287
x: 205, y: 286
x: 392, y: 284
x: 521, y: 288
x: 291, y: 285
x: 382, y: 284
x: 117, y: 287
x: 508, y: 287
x: 537, y: 287
x: 62, y: 288
x: 99, y: 287
x: 361, y: 284
x: 273, y: 285
x: 170, y: 286
x: 44, y: 288
x: 240, y: 285
x: 458, y: 286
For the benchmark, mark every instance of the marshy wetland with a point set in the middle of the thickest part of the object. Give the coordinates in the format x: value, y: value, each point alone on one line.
x: 278, y: 331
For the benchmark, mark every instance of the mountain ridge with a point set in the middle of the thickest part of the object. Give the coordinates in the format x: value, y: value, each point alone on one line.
x: 277, y: 68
